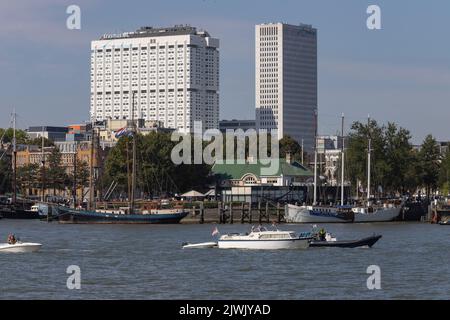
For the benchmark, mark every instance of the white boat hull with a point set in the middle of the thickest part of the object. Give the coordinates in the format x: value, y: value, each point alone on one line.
x: 20, y: 247
x: 302, y: 214
x: 264, y: 244
x: 381, y: 215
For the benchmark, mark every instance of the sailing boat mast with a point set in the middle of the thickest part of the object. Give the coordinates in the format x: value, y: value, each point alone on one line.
x: 368, y: 160
x: 342, y: 162
x: 315, y: 173
x: 133, y: 177
x: 43, y: 166
x: 91, y: 171
x: 74, y: 191
x: 14, y: 199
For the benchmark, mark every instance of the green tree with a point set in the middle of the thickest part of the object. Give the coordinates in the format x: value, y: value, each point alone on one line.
x: 56, y: 176
x: 21, y: 136
x: 356, y: 153
x: 289, y: 145
x: 398, y: 158
x: 393, y: 160
x: 27, y: 178
x: 444, y: 174
x: 429, y: 164
x: 156, y: 173
x: 80, y: 177
x: 5, y: 173
x: 38, y: 142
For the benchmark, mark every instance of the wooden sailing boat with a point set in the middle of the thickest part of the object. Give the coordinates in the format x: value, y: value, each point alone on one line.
x: 321, y: 214
x: 128, y: 215
x: 370, y: 212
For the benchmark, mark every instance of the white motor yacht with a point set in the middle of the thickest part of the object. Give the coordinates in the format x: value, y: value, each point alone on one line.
x: 261, y: 238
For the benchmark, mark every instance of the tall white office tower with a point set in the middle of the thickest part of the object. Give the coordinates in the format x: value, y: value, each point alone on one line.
x: 286, y: 80
x: 174, y: 73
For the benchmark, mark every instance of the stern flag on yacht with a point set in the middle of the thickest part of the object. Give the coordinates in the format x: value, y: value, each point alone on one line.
x: 215, y: 231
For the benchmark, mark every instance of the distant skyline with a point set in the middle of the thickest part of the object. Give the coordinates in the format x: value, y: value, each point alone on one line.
x: 400, y: 73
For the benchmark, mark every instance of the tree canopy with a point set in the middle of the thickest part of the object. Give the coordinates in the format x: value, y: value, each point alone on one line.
x: 396, y: 167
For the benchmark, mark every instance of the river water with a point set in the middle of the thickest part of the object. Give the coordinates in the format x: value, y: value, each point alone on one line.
x: 147, y: 262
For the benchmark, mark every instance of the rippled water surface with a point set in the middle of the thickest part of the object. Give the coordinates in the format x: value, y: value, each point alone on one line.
x: 147, y: 262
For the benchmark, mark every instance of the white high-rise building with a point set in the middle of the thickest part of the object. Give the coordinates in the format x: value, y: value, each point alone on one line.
x: 174, y: 73
x: 286, y: 80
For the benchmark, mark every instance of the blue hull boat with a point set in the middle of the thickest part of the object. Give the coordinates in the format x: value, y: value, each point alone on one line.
x: 71, y: 216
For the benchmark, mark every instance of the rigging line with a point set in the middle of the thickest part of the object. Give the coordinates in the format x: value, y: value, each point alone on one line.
x: 171, y: 180
x: 4, y: 132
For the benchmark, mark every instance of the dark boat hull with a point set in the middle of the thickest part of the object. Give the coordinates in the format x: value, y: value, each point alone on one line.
x: 88, y: 217
x: 444, y: 223
x: 366, y: 242
x: 19, y: 214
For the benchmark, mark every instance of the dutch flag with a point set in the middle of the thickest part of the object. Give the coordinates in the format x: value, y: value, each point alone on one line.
x: 122, y: 132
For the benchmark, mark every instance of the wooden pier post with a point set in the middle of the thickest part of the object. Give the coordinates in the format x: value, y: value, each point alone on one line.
x: 267, y: 212
x: 259, y: 212
x: 242, y: 212
x: 202, y: 213
x: 219, y: 211
x: 278, y: 212
x: 231, y: 212
x: 249, y: 212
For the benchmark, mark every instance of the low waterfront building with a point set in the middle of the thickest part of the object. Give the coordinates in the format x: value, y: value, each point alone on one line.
x: 288, y: 173
x: 246, y: 182
x: 70, y: 151
x: 49, y: 132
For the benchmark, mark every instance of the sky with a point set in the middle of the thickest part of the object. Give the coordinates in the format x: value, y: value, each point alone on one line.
x: 400, y: 73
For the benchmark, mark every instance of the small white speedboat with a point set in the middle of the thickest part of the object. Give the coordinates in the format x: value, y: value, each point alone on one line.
x: 20, y: 247
x: 201, y: 245
x: 263, y: 239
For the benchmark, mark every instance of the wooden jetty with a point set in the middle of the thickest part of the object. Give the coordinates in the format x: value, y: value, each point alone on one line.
x: 236, y: 212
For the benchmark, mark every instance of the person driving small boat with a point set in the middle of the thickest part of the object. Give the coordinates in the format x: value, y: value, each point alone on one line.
x: 322, y: 234
x: 12, y: 239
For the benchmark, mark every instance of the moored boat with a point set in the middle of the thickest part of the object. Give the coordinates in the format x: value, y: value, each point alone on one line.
x: 20, y: 247
x: 263, y: 239
x: 12, y: 212
x: 162, y: 216
x: 376, y: 214
x: 318, y: 214
x: 365, y: 242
